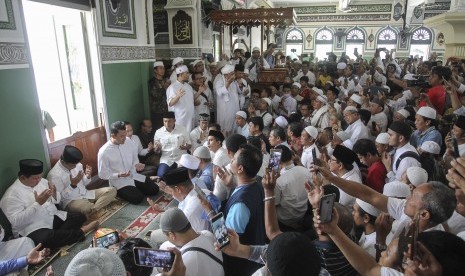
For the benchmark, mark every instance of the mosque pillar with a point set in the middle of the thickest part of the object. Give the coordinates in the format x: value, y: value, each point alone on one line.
x: 452, y: 25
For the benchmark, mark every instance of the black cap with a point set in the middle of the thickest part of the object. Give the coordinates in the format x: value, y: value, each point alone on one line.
x: 345, y: 155
x: 169, y: 115
x: 239, y: 67
x: 460, y: 122
x: 71, y: 155
x: 176, y: 176
x: 217, y: 134
x: 235, y: 141
x: 31, y: 166
x: 401, y: 128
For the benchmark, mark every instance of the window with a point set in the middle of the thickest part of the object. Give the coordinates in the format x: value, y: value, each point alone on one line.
x: 67, y: 78
x: 294, y: 41
x: 387, y: 38
x: 355, y: 42
x: 421, y: 42
x: 323, y: 43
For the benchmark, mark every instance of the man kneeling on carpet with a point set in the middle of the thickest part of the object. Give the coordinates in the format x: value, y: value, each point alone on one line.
x: 29, y: 205
x: 198, y: 253
x: 69, y: 177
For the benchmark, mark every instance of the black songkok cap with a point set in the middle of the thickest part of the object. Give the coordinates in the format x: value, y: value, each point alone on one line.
x: 239, y: 67
x: 204, y: 117
x: 345, y: 155
x: 235, y: 141
x: 31, y: 166
x: 460, y: 122
x: 217, y: 134
x: 71, y: 155
x: 176, y: 176
x: 169, y: 115
x: 402, y: 129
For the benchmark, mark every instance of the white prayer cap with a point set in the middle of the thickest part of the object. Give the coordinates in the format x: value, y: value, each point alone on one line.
x: 377, y: 77
x: 343, y: 135
x: 158, y: 63
x: 329, y: 82
x: 356, y: 98
x: 370, y: 209
x: 431, y: 147
x: 409, y: 77
x: 341, y: 65
x: 396, y: 189
x: 281, y: 121
x: 96, y: 261
x: 202, y: 152
x: 189, y: 161
x: 221, y: 64
x: 197, y: 61
x: 388, y: 89
x: 318, y: 91
x: 213, y: 64
x: 408, y: 94
x: 382, y: 138
x: 177, y: 60
x: 297, y: 84
x: 351, y: 108
x: 241, y: 114
x: 417, y: 175
x: 312, y: 131
x: 182, y: 69
x: 427, y: 112
x: 267, y: 100
x: 298, y: 62
x: 228, y: 68
x: 246, y: 70
x: 255, y: 49
x: 322, y: 99
x: 404, y: 113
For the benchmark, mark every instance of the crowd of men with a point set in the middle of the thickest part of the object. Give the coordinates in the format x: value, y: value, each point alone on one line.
x: 384, y: 137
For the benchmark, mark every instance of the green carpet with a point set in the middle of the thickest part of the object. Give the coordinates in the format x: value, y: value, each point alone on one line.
x: 119, y: 220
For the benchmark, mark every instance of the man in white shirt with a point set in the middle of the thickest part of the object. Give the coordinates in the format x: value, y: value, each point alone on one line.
x: 180, y: 98
x: 405, y: 155
x: 288, y: 104
x: 118, y: 163
x: 180, y: 234
x: 378, y: 116
x: 291, y: 200
x: 241, y: 122
x: 199, y: 135
x: 172, y: 141
x: 306, y: 72
x: 177, y: 62
x: 203, y: 98
x: 142, y: 153
x: 320, y: 116
x: 29, y: 205
x: 356, y: 128
x: 263, y: 107
x: 255, y: 64
x: 227, y: 99
x: 181, y: 187
x: 365, y: 215
x: 71, y: 180
x: 215, y: 145
x: 308, y: 139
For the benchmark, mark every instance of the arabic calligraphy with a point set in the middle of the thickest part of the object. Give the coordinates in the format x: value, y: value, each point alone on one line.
x: 119, y: 16
x: 344, y: 17
x: 182, y: 30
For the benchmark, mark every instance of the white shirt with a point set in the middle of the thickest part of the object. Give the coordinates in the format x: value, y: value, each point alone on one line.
x: 221, y: 158
x: 290, y: 104
x: 184, y: 108
x: 307, y: 157
x: 358, y: 131
x: 138, y: 145
x: 253, y: 71
x: 310, y: 75
x: 244, y: 131
x: 59, y: 176
x: 291, y: 197
x: 192, y: 208
x: 220, y: 190
x: 404, y: 164
x: 24, y: 213
x: 170, y: 143
x: 456, y: 223
x: 203, y: 107
x: 320, y: 118
x: 344, y: 198
x: 367, y: 242
x: 114, y: 159
x: 198, y: 263
x: 195, y: 137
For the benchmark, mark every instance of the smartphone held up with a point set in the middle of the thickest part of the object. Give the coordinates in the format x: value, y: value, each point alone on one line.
x: 153, y: 257
x: 219, y: 230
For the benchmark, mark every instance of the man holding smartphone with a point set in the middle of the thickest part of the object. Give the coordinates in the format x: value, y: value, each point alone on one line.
x: 198, y: 253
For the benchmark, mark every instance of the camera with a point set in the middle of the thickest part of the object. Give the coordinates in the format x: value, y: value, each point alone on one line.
x: 420, y: 81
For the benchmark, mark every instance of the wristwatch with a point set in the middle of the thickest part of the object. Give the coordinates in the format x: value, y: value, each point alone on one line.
x: 380, y: 247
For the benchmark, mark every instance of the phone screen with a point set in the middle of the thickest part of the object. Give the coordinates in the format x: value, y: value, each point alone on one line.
x: 275, y: 159
x: 314, y: 156
x: 456, y: 148
x: 107, y: 240
x: 153, y: 257
x: 326, y: 207
x: 219, y: 230
x: 199, y: 191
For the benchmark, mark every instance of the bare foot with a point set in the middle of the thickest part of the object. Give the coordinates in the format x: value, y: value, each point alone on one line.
x: 154, y: 206
x: 91, y: 226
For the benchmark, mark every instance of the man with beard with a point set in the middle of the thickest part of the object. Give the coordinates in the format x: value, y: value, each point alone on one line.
x: 180, y: 98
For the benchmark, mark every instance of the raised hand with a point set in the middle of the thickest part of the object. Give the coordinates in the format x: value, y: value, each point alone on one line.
x: 329, y: 227
x: 269, y: 180
x: 225, y: 176
x: 75, y: 180
x: 43, y: 196
x: 180, y: 92
x: 35, y: 256
x: 387, y: 161
x: 139, y: 167
x: 53, y: 189
x: 383, y: 226
x: 178, y: 268
x: 88, y: 172
x: 314, y: 194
